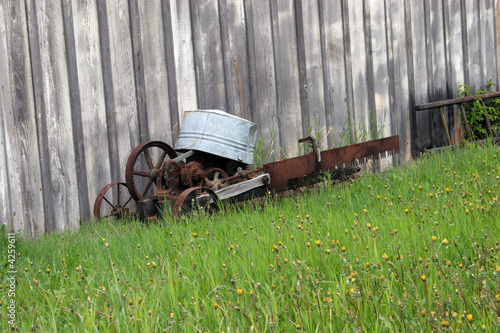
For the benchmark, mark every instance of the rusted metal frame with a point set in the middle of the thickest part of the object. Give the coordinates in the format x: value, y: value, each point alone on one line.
x: 331, y: 160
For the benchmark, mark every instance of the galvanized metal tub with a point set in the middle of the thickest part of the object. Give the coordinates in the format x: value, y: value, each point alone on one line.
x: 219, y: 133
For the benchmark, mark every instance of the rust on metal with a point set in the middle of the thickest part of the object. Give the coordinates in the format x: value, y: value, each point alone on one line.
x: 331, y: 160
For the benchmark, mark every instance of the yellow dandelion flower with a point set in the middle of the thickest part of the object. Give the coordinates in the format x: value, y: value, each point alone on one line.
x: 470, y: 318
x: 424, y: 278
x: 239, y: 292
x: 434, y: 238
x: 445, y: 241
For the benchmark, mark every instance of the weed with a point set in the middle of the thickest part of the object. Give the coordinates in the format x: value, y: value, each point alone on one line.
x: 476, y: 111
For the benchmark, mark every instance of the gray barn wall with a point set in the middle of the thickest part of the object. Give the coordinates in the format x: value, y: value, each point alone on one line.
x: 84, y: 81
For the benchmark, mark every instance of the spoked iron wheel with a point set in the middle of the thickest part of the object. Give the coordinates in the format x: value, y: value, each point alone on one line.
x: 113, y: 200
x: 196, y: 199
x: 212, y: 178
x: 142, y: 163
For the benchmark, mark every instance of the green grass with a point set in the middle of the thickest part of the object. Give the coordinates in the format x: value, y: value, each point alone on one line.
x: 414, y: 248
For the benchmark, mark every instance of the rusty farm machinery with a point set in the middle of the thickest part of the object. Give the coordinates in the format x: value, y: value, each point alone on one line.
x: 210, y: 164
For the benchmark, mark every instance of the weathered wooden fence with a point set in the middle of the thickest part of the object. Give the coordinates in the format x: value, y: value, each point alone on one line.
x: 84, y: 81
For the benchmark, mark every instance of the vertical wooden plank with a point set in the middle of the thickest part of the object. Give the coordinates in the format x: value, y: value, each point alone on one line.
x: 488, y: 44
x: 54, y: 115
x: 437, y: 69
x: 287, y: 76
x: 155, y: 70
x: 455, y: 68
x: 378, y: 51
x: 474, y: 51
x: 139, y: 72
x: 378, y: 85
x: 92, y: 113
x: 234, y: 44
x: 262, y: 71
x: 497, y: 39
x: 76, y: 110
x: 6, y: 196
x: 183, y: 60
x: 208, y: 54
x: 25, y: 179
x: 311, y: 69
x: 420, y: 78
x: 360, y: 106
x: 336, y: 85
x: 398, y: 74
x: 121, y: 68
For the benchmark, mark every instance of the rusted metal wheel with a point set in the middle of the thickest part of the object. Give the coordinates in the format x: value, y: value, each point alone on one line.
x: 213, y: 178
x: 143, y: 165
x: 113, y: 202
x: 196, y: 199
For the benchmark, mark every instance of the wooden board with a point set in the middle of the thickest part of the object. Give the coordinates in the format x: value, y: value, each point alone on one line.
x: 474, y: 64
x: 124, y: 110
x: 57, y: 156
x: 360, y: 104
x: 311, y: 70
x: 287, y: 76
x: 151, y: 54
x: 235, y: 60
x: 208, y: 57
x: 398, y: 74
x: 455, y: 60
x: 25, y: 178
x: 262, y: 71
x: 420, y: 74
x: 182, y: 61
x: 336, y: 77
x: 89, y: 107
x: 6, y: 215
x: 378, y: 85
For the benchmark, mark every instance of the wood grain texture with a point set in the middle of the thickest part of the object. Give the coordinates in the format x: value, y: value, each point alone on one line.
x: 122, y: 71
x: 360, y: 106
x: 262, y: 71
x: 474, y: 51
x: 25, y: 178
x: 337, y: 76
x: 235, y: 60
x: 287, y: 75
x: 92, y: 112
x: 155, y: 71
x: 58, y: 160
x: 6, y: 216
x: 398, y: 73
x: 208, y: 58
x: 454, y: 60
x: 311, y: 69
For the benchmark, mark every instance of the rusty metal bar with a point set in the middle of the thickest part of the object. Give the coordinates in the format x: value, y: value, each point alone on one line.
x: 331, y: 160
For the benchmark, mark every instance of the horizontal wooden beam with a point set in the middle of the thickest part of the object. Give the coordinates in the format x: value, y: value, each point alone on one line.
x: 448, y: 102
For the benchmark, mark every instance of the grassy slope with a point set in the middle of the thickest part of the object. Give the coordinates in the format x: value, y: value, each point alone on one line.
x: 415, y: 247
